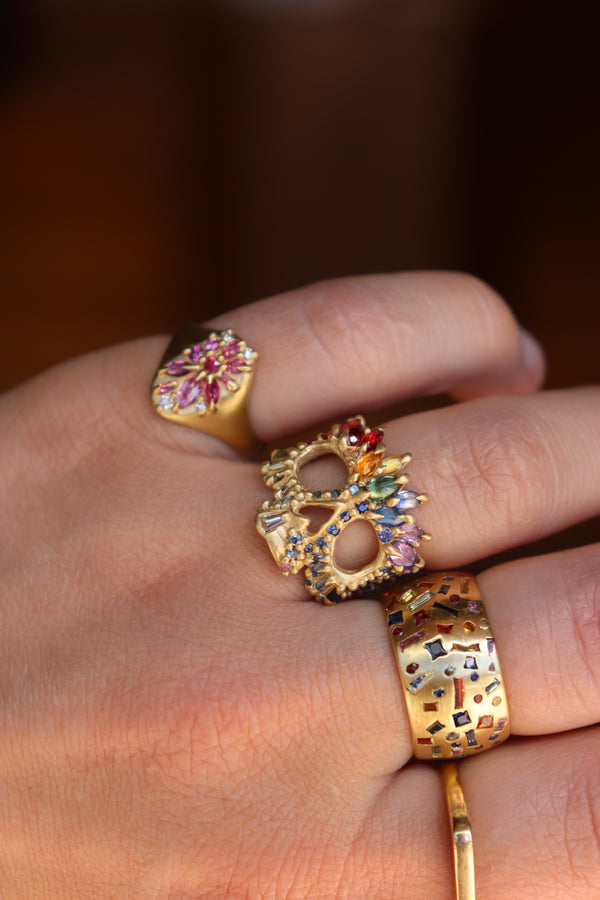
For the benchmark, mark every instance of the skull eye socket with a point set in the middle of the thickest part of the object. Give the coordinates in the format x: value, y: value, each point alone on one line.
x: 356, y: 547
x: 323, y: 473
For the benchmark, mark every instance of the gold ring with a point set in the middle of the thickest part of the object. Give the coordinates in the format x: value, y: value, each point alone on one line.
x: 462, y: 836
x: 203, y: 381
x: 448, y: 665
x: 374, y: 492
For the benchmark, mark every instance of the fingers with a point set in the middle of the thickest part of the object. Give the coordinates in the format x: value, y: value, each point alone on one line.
x: 534, y: 807
x: 545, y: 615
x: 358, y: 344
x: 502, y: 471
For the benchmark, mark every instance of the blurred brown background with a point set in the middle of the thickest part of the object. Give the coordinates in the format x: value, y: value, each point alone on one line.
x: 163, y: 161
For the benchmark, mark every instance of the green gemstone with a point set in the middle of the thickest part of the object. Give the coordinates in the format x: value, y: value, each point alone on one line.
x: 281, y: 453
x: 317, y: 494
x: 335, y: 494
x: 382, y: 486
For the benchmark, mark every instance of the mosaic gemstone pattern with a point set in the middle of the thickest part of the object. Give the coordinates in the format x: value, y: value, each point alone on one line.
x: 448, y: 666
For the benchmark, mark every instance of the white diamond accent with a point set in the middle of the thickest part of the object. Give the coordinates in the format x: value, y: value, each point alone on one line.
x: 248, y: 354
x: 200, y: 406
x: 166, y: 402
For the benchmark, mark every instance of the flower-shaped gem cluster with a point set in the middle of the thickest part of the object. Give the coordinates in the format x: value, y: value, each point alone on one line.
x: 201, y: 376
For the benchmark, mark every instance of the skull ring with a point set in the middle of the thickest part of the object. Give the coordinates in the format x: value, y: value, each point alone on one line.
x: 374, y: 492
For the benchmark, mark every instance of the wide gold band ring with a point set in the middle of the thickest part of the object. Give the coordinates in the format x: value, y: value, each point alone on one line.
x: 203, y: 381
x: 448, y: 665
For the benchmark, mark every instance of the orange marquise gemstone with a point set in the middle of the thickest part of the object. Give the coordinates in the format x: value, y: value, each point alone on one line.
x: 368, y: 463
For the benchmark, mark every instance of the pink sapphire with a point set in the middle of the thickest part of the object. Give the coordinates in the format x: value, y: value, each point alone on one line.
x: 404, y: 554
x: 411, y: 532
x: 211, y: 364
x: 187, y: 392
x: 231, y: 349
x: 211, y: 344
x: 196, y: 352
x: 234, y: 366
x: 177, y: 367
x: 212, y: 392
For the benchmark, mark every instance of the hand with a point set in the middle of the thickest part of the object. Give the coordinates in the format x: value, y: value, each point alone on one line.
x: 177, y: 722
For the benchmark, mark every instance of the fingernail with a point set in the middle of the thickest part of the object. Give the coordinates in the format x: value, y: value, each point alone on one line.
x: 532, y: 352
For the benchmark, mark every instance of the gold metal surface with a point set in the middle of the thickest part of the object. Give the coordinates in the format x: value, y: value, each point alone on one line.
x: 462, y: 837
x: 203, y: 381
x: 374, y: 492
x: 448, y: 665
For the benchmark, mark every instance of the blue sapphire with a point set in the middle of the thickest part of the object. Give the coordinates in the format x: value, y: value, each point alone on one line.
x: 354, y: 489
x: 292, y: 554
x: 439, y: 692
x: 309, y: 548
x: 436, y: 648
x: 362, y: 507
x: 396, y: 618
x: 407, y: 499
x: 389, y: 516
x: 470, y: 663
x: 385, y: 535
x: 294, y: 538
x: 474, y: 677
x: 320, y: 542
x: 345, y: 516
x: 333, y: 529
x: 319, y: 585
x: 461, y: 718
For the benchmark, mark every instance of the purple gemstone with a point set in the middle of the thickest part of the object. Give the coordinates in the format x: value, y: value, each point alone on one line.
x: 231, y: 349
x: 196, y: 352
x: 187, y: 392
x: 405, y: 552
x: 177, y: 367
x: 212, y: 392
x: 211, y: 364
x: 271, y: 521
x: 411, y: 532
x: 211, y: 344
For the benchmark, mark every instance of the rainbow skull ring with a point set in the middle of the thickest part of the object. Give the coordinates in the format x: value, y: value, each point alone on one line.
x: 374, y: 492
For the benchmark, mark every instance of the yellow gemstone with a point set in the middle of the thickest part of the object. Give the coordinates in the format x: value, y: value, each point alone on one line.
x: 391, y: 465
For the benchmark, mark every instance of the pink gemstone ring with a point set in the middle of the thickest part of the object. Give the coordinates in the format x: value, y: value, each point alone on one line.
x: 204, y: 380
x: 374, y: 492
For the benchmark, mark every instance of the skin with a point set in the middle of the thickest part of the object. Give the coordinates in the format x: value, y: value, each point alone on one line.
x: 177, y: 722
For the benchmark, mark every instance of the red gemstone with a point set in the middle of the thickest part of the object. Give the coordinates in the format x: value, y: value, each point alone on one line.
x: 374, y: 437
x: 211, y: 364
x: 212, y: 392
x: 356, y: 432
x: 230, y: 350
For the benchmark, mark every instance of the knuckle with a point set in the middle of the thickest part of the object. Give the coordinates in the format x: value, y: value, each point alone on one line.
x: 500, y: 464
x: 335, y: 316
